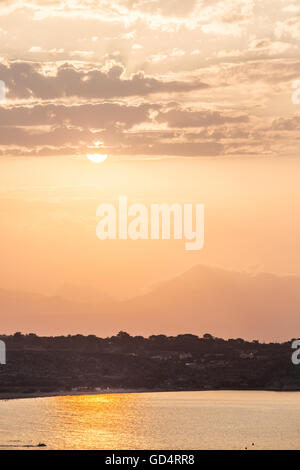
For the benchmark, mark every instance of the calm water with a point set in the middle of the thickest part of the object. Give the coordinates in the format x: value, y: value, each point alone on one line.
x: 171, y: 420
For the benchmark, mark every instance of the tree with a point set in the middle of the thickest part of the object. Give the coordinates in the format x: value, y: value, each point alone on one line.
x: 207, y: 336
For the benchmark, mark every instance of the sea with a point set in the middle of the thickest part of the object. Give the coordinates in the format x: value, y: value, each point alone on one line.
x: 246, y: 420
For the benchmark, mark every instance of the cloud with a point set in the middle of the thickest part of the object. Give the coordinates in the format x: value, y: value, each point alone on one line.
x: 290, y: 123
x: 29, y: 127
x: 149, y: 77
x: 35, y: 128
x: 161, y: 7
x: 184, y: 149
x: 26, y: 80
x: 188, y: 118
x: 96, y: 116
x: 288, y: 28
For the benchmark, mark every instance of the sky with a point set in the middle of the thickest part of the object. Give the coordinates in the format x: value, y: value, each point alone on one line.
x: 192, y: 102
x: 159, y: 78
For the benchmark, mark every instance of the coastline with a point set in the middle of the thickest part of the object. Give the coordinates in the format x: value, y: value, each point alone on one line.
x: 19, y: 396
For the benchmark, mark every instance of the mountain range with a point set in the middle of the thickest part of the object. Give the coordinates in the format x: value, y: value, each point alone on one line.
x: 202, y: 300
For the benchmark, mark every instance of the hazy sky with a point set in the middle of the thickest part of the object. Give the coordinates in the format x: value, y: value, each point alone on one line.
x: 191, y: 101
x: 48, y: 219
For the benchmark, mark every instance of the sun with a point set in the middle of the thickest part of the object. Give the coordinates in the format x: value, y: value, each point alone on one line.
x: 96, y: 157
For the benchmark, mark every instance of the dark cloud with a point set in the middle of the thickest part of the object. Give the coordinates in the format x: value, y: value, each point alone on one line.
x: 25, y: 80
x: 51, y: 128
x: 55, y: 137
x: 101, y: 115
x: 290, y: 123
x: 189, y: 118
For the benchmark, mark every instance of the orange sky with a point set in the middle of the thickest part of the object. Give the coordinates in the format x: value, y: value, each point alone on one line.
x: 48, y: 212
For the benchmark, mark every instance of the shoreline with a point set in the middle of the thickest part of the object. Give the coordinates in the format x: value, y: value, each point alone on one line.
x: 21, y: 396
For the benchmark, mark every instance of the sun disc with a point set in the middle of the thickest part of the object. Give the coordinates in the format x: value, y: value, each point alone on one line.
x: 96, y: 157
